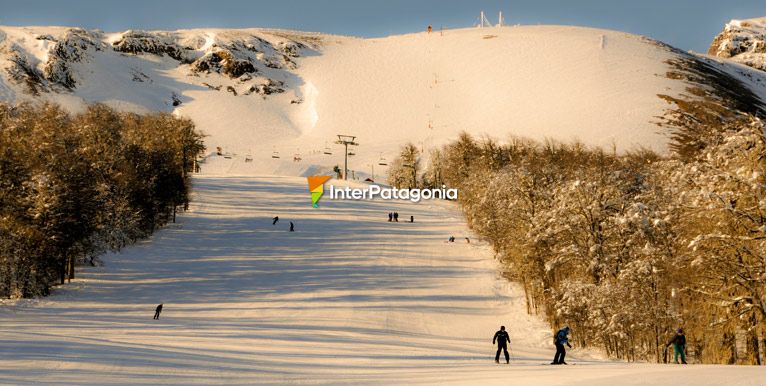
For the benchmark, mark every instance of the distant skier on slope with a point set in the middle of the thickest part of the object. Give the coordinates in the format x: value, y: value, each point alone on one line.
x: 275, y: 220
x: 292, y: 227
x: 502, y: 339
x: 679, y: 346
x: 390, y: 216
x: 396, y: 216
x: 157, y: 311
x: 560, y: 340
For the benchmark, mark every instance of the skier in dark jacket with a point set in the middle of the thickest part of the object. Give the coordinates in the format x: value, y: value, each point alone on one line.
x: 560, y: 340
x: 275, y: 220
x: 390, y: 217
x: 292, y: 227
x: 679, y: 345
x: 502, y: 339
x: 396, y: 216
x: 157, y: 311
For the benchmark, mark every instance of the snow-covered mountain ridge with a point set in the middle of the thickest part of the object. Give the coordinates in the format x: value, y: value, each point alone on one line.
x: 743, y: 41
x: 279, y: 98
x: 57, y: 59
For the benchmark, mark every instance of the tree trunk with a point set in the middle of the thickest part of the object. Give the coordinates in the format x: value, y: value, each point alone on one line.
x: 62, y: 272
x: 760, y: 341
x: 657, y: 349
x: 71, y: 268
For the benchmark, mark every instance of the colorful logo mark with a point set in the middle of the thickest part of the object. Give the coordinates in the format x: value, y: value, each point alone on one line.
x: 316, y: 187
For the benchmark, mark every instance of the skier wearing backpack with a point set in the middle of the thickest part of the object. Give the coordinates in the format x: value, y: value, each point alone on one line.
x: 679, y: 346
x: 502, y: 339
x: 560, y: 340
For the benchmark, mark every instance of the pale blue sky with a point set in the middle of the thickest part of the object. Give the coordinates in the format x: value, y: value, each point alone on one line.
x: 687, y: 24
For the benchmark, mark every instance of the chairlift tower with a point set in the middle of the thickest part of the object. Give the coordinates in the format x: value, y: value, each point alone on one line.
x: 346, y: 140
x: 483, y: 21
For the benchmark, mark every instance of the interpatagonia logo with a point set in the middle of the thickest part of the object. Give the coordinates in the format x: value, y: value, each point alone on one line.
x: 371, y: 192
x: 389, y: 193
x: 316, y: 187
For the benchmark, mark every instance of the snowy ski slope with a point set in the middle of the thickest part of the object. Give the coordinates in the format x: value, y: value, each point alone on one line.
x: 346, y: 299
x: 349, y: 298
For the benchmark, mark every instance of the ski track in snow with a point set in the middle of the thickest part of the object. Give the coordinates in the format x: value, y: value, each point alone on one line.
x: 346, y: 299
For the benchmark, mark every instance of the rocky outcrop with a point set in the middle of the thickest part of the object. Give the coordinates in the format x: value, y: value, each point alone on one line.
x: 266, y: 88
x: 743, y: 41
x: 157, y: 43
x: 224, y: 62
x: 22, y: 72
x: 73, y: 47
x: 290, y: 48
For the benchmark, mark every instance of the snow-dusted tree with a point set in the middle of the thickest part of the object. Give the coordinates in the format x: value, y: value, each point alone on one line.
x: 404, y: 170
x: 458, y: 158
x: 432, y: 178
x: 724, y: 228
x: 72, y: 187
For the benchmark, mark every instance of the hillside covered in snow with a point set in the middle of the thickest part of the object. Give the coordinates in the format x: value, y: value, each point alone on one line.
x: 279, y: 98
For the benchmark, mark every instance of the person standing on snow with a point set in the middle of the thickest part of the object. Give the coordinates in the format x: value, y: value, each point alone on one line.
x: 396, y: 216
x: 679, y: 346
x: 502, y: 339
x: 560, y: 340
x: 390, y: 216
x: 157, y: 311
x: 292, y: 227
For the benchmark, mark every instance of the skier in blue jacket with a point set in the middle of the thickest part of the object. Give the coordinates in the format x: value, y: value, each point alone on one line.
x: 679, y: 345
x: 560, y: 340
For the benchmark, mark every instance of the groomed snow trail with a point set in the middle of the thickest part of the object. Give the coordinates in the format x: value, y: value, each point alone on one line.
x: 348, y: 298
